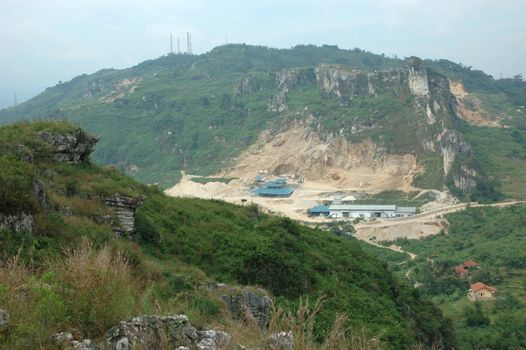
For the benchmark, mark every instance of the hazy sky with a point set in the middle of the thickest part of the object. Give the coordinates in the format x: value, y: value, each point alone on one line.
x: 44, y: 41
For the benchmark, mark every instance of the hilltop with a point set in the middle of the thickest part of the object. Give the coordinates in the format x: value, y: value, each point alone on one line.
x: 85, y: 247
x: 348, y: 118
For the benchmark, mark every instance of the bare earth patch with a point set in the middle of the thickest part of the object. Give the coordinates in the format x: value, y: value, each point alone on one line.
x: 470, y: 107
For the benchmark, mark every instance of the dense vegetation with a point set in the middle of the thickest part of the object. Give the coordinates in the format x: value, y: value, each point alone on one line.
x: 186, y: 112
x: 495, y: 238
x: 72, y: 272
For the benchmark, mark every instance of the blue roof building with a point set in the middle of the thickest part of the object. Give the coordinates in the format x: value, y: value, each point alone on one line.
x: 319, y: 210
x: 274, y: 191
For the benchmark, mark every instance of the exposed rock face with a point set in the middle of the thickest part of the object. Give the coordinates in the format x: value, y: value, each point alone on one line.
x: 346, y: 84
x: 64, y: 340
x: 40, y: 194
x: 124, y: 209
x: 465, y: 178
x: 287, y: 80
x: 341, y: 82
x: 150, y: 332
x: 247, y: 303
x: 70, y: 148
x: 247, y: 86
x: 4, y: 321
x: 418, y: 83
x: 281, y: 341
x: 452, y: 143
x: 17, y: 222
x: 277, y: 103
x: 301, y: 152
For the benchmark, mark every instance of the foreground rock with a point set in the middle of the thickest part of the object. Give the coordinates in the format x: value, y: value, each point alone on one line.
x: 4, y: 321
x: 247, y: 305
x: 17, y: 222
x: 281, y: 341
x: 153, y: 332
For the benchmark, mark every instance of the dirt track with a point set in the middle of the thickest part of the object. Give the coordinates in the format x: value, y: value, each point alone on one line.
x: 417, y: 226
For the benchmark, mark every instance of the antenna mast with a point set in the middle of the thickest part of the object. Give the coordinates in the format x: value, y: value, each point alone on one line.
x: 188, y: 43
x: 16, y: 100
x: 171, y: 46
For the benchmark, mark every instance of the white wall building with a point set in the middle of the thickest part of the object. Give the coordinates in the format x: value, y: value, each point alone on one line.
x: 369, y: 211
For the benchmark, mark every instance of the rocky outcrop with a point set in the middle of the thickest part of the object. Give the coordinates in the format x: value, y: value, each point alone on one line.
x: 150, y: 332
x: 418, y: 82
x: 277, y: 103
x: 71, y: 148
x: 65, y: 340
x: 4, y: 321
x: 17, y: 222
x: 124, y: 209
x: 286, y: 80
x: 40, y: 194
x: 341, y: 82
x: 452, y: 143
x: 281, y: 341
x: 247, y: 303
x: 347, y: 84
x: 464, y: 178
x: 247, y: 86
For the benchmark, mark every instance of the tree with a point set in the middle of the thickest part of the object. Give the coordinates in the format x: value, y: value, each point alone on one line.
x: 475, y: 317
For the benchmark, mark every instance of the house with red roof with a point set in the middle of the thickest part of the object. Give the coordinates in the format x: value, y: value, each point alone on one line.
x: 479, y: 291
x: 464, y: 269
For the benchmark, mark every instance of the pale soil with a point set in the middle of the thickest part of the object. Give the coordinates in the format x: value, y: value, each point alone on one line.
x: 335, y: 163
x: 475, y: 114
x: 122, y: 88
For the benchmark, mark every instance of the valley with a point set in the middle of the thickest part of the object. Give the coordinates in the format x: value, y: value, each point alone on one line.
x: 147, y: 180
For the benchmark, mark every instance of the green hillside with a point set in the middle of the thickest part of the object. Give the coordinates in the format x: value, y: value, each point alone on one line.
x: 196, y: 113
x: 70, y: 272
x: 495, y: 238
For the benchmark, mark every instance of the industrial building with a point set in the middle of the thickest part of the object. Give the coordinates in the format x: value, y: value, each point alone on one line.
x: 273, y: 188
x: 361, y: 211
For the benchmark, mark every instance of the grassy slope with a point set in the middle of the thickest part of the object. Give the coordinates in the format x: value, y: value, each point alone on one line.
x: 201, y: 241
x: 495, y: 239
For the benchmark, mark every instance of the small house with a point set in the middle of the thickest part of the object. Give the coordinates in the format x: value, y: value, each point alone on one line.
x: 479, y: 291
x: 465, y: 269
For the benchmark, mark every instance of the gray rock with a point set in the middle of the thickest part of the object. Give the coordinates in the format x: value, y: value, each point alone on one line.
x: 452, y: 143
x: 62, y: 338
x: 40, y: 194
x: 86, y: 344
x: 247, y: 86
x: 213, y: 340
x: 248, y: 302
x: 147, y: 332
x: 4, y: 321
x: 124, y: 209
x: 281, y: 341
x: 418, y: 82
x: 73, y: 148
x: 17, y: 222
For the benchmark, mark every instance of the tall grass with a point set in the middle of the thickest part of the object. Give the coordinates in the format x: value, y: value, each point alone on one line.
x: 85, y: 292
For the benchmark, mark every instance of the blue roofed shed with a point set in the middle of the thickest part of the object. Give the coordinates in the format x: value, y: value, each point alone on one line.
x: 319, y: 210
x: 274, y: 192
